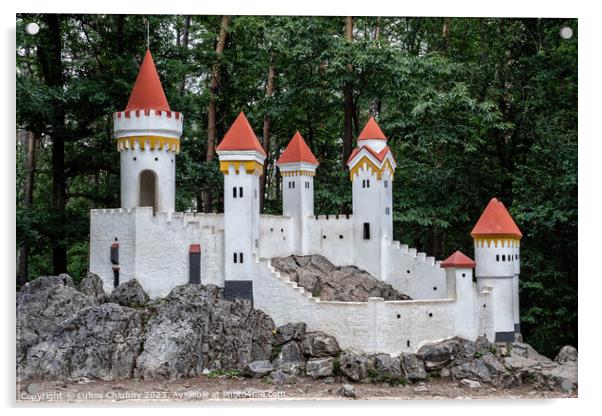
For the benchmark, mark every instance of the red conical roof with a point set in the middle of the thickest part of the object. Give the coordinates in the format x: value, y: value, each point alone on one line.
x: 147, y: 93
x: 372, y: 131
x: 297, y: 151
x: 496, y: 220
x: 458, y: 259
x: 240, y: 136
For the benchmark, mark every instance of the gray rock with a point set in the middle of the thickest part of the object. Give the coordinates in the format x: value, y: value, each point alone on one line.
x: 92, y: 285
x: 290, y: 359
x: 347, y: 390
x: 195, y: 328
x: 356, y: 366
x: 320, y: 367
x: 99, y: 342
x: 318, y: 344
x: 42, y: 305
x: 486, y: 368
x: 563, y: 376
x: 130, y: 294
x: 566, y: 354
x: 280, y: 378
x: 413, y: 367
x: 438, y: 355
x: 320, y: 277
x: 471, y: 384
x: 387, y: 368
x: 289, y: 332
x: 258, y: 369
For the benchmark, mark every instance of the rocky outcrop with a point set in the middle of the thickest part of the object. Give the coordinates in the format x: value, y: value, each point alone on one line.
x: 130, y: 294
x: 329, y: 282
x: 318, y: 344
x: 356, y: 366
x: 320, y: 367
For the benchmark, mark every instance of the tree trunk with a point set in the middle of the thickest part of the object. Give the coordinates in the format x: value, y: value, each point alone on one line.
x: 446, y: 28
x: 348, y: 101
x: 27, y: 202
x: 49, y: 54
x: 184, y: 44
x: 212, y: 110
x: 267, y: 124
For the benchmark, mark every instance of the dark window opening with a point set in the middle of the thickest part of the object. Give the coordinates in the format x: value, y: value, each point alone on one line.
x: 341, y: 236
x: 497, y: 257
x: 366, y: 231
x: 240, y: 191
x: 115, y: 277
x: 408, y: 271
x: 156, y: 159
x: 435, y: 288
x: 234, y: 192
x: 235, y: 257
x: 324, y: 237
x: 241, y: 258
x: 430, y: 314
x: 503, y: 257
x: 484, y: 305
x: 463, y: 274
x: 398, y: 316
x: 408, y: 343
x: 386, y: 184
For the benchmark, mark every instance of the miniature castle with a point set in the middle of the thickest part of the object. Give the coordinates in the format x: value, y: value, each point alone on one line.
x: 147, y: 240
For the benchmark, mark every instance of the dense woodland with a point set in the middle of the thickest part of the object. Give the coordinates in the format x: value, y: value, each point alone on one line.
x: 473, y: 108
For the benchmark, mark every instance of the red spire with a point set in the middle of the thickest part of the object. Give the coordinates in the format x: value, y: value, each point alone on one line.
x: 458, y: 259
x: 240, y: 136
x: 496, y: 220
x: 297, y: 151
x: 147, y: 93
x: 372, y: 131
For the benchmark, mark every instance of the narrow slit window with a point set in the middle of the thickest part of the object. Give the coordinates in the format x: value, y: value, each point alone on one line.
x: 503, y: 257
x: 367, y: 183
x: 234, y: 192
x: 386, y: 184
x: 366, y: 231
x: 241, y: 257
x: 235, y: 258
x: 240, y: 191
x: 497, y: 257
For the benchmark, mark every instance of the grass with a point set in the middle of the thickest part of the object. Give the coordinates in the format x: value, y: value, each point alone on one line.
x: 224, y: 373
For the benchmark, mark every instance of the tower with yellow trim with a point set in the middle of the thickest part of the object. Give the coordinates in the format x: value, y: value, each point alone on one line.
x: 497, y: 255
x: 148, y: 139
x: 297, y: 166
x: 241, y: 159
x: 371, y: 170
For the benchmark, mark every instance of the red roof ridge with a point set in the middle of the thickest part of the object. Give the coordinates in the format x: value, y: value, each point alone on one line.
x: 496, y: 220
x: 372, y: 131
x: 147, y: 93
x: 458, y: 259
x: 378, y: 155
x: 296, y: 151
x: 240, y: 136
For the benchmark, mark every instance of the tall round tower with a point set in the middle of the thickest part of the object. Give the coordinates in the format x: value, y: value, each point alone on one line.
x: 148, y: 139
x: 496, y: 244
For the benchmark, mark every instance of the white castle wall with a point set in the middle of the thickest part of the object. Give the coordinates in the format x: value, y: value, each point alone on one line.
x: 374, y: 326
x: 153, y: 249
x: 413, y: 273
x: 276, y: 236
x: 332, y: 237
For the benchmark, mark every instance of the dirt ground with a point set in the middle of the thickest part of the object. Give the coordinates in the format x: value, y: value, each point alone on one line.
x: 204, y: 388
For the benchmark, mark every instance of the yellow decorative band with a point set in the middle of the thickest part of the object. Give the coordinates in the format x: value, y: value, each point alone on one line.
x: 379, y: 171
x: 501, y: 241
x: 251, y: 166
x: 151, y: 142
x: 298, y: 173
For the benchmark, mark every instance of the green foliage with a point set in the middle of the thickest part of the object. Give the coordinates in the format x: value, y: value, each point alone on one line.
x: 224, y: 374
x: 488, y: 110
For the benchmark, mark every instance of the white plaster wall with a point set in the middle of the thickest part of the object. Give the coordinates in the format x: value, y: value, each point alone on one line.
x: 164, y: 169
x: 367, y: 208
x: 214, y: 221
x: 413, y: 273
x: 487, y: 263
x: 503, y: 301
x: 516, y: 305
x: 324, y: 238
x: 276, y: 236
x: 298, y: 203
x: 374, y: 326
x: 165, y: 124
x: 153, y: 249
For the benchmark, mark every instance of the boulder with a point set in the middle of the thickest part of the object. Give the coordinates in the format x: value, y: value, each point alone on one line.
x: 99, y: 342
x: 323, y: 279
x: 318, y: 344
x: 486, y: 368
x: 320, y: 367
x: 195, y: 328
x: 563, y: 376
x: 387, y: 368
x: 289, y: 332
x: 280, y: 378
x: 42, y: 305
x: 92, y: 285
x: 290, y: 359
x: 258, y: 369
x: 412, y: 367
x: 438, y: 355
x: 347, y: 390
x: 356, y: 366
x: 130, y: 294
x: 566, y: 354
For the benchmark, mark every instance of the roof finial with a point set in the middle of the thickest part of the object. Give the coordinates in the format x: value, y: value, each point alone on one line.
x: 147, y: 34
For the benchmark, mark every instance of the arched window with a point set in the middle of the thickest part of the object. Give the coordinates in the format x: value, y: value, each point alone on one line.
x: 148, y: 190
